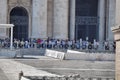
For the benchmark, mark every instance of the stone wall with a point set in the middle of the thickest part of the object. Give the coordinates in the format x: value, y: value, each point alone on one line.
x: 116, y: 31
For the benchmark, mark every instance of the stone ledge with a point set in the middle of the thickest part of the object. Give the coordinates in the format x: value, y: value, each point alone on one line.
x: 116, y: 28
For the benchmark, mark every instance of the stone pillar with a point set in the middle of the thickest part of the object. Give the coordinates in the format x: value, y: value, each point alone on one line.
x: 101, y: 14
x: 72, y: 19
x: 50, y: 18
x: 3, y: 17
x: 116, y: 31
x: 111, y: 19
x: 60, y: 23
x: 39, y: 19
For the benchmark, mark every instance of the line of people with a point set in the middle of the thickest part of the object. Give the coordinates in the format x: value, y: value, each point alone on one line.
x: 58, y: 44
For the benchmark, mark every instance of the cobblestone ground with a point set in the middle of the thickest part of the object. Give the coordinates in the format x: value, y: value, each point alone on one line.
x: 69, y: 67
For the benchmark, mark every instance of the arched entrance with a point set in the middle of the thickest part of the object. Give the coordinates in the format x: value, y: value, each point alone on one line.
x: 19, y: 17
x: 86, y: 19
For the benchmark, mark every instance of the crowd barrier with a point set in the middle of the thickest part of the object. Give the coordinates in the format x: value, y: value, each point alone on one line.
x: 66, y: 55
x: 62, y: 78
x: 21, y: 52
x: 76, y: 55
x: 71, y: 54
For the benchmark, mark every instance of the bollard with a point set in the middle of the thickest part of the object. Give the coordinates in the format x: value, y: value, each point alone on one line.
x: 20, y: 75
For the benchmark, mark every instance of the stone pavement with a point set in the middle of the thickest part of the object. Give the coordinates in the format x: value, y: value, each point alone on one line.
x: 2, y: 75
x: 68, y: 67
x: 33, y: 66
x: 12, y: 69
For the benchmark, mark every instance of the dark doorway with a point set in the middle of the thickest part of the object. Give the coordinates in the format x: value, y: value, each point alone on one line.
x: 19, y: 17
x: 86, y: 19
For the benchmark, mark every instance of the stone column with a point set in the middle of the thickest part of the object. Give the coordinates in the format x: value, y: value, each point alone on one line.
x: 111, y: 20
x: 72, y: 19
x: 50, y: 18
x: 39, y: 19
x: 3, y: 17
x: 101, y: 15
x: 116, y: 31
x: 101, y: 7
x: 60, y: 23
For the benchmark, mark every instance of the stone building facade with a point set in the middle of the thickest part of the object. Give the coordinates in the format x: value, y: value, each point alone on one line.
x: 61, y: 19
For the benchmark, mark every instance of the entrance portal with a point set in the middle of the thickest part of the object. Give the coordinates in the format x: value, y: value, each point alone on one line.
x: 86, y: 19
x: 19, y: 17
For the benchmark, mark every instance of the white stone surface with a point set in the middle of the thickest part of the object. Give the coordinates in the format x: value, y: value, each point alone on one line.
x: 39, y: 19
x: 54, y: 54
x: 60, y: 23
x: 3, y: 17
x: 12, y: 69
x: 23, y: 78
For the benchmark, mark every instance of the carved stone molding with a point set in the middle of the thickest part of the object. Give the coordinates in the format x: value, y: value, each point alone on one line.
x: 19, y: 3
x: 25, y: 3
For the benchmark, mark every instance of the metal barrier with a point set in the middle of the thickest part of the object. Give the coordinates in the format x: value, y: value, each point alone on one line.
x: 64, y: 78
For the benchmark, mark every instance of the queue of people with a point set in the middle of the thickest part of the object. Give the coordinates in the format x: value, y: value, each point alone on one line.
x: 58, y: 44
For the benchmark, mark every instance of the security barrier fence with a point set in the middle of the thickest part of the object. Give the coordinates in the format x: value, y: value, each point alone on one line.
x: 65, y: 78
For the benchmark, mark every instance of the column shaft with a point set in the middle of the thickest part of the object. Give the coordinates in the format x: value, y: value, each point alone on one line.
x: 72, y: 19
x: 39, y: 19
x: 111, y: 21
x: 3, y: 17
x: 101, y: 7
x: 50, y: 18
x: 60, y: 24
x: 117, y: 12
